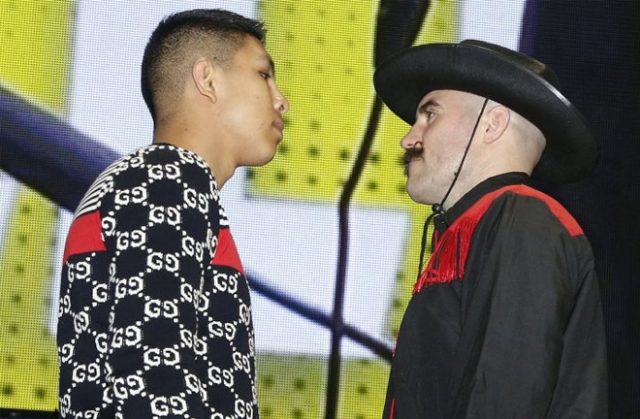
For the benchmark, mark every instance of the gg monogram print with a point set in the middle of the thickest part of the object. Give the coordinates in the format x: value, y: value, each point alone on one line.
x: 154, y: 315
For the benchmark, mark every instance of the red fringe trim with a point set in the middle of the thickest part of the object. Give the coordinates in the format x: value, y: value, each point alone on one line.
x: 449, y: 258
x: 447, y: 263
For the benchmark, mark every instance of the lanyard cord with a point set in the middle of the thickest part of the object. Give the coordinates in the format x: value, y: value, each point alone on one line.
x: 438, y: 209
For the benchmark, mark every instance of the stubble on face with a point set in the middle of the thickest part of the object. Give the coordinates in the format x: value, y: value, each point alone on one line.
x: 443, y: 137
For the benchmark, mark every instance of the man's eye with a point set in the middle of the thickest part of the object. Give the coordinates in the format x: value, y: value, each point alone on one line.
x: 265, y: 75
x: 428, y: 115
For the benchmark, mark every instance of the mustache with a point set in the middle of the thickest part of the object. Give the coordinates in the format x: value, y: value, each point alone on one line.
x: 412, y: 153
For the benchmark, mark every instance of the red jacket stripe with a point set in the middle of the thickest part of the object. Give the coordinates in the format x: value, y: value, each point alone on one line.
x: 85, y: 235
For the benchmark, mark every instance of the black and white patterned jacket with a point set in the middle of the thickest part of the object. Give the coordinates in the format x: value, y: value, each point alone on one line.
x: 154, y: 316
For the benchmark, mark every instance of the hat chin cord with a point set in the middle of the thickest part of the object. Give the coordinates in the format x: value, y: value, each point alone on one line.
x: 438, y: 210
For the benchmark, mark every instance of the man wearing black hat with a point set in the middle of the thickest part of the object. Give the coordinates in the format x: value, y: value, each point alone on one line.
x: 505, y: 320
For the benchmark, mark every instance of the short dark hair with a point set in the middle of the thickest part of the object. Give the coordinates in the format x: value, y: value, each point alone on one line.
x: 171, y: 49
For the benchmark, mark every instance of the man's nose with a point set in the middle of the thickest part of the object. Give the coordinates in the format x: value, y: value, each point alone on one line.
x: 281, y: 103
x: 411, y: 139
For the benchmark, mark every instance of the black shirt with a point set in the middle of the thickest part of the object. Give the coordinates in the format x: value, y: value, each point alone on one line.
x: 506, y: 320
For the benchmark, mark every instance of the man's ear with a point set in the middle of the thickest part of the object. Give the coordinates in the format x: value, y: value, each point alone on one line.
x: 497, y: 123
x: 203, y: 74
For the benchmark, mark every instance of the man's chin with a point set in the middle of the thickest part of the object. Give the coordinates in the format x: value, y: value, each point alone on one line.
x: 261, y: 161
x: 418, y: 196
x: 411, y: 192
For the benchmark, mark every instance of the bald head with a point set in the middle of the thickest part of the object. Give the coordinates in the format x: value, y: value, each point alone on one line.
x: 180, y: 40
x: 514, y: 143
x: 532, y: 139
x: 523, y: 137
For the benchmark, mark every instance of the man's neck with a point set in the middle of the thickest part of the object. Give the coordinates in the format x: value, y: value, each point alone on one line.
x: 213, y: 154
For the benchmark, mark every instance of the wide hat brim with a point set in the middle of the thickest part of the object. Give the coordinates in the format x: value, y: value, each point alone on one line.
x: 402, y: 81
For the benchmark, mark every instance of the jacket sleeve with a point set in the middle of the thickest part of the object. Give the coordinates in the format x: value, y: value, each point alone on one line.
x: 532, y: 343
x: 160, y: 241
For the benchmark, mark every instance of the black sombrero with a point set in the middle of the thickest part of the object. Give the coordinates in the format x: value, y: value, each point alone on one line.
x: 515, y: 80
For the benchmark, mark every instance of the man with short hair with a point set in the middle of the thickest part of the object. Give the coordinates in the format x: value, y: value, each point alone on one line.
x: 505, y: 320
x: 155, y: 313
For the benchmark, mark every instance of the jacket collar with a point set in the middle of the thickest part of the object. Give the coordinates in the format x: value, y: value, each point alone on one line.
x: 443, y: 221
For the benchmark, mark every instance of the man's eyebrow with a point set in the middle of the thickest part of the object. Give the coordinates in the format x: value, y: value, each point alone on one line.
x: 429, y: 103
x: 267, y: 57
